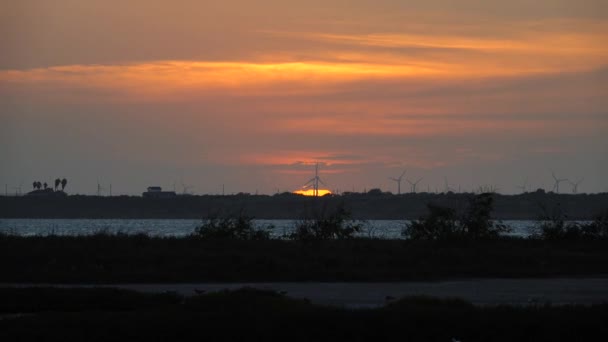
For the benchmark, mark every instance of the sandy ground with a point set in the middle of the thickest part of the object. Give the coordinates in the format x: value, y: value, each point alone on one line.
x: 478, y: 291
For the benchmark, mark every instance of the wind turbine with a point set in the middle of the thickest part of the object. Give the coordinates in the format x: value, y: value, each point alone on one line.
x: 100, y: 189
x: 18, y: 189
x: 557, y: 182
x: 185, y: 188
x: 447, y: 185
x: 315, y: 181
x: 524, y: 186
x: 414, y: 184
x: 398, y: 180
x: 575, y: 185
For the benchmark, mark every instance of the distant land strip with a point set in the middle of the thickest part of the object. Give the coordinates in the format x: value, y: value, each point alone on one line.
x: 529, y: 206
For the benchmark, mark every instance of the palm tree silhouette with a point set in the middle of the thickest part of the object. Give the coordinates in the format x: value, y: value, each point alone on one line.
x: 35, y: 185
x: 45, y: 185
x: 57, y: 182
x: 64, y: 182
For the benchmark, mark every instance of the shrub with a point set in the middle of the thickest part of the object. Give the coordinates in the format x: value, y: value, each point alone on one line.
x: 599, y: 227
x: 237, y: 227
x: 327, y: 225
x: 440, y: 224
x: 554, y: 226
x: 444, y: 223
x: 477, y: 221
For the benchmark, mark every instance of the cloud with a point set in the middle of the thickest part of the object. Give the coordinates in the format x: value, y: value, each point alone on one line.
x: 317, y: 63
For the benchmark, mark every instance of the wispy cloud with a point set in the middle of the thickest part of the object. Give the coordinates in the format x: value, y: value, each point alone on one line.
x: 342, y: 58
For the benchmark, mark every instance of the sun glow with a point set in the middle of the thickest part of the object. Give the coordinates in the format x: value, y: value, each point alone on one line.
x: 311, y: 192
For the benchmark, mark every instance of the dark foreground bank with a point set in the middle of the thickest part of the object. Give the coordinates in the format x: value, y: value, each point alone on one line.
x: 251, y: 315
x: 486, y: 291
x: 104, y: 258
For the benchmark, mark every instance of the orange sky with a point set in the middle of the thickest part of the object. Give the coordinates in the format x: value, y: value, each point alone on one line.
x: 254, y: 93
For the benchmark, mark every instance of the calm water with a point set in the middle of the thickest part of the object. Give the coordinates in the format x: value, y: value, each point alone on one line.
x: 390, y: 229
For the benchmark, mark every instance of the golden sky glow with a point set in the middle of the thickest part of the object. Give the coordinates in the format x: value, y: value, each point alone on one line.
x: 363, y: 87
x: 354, y: 58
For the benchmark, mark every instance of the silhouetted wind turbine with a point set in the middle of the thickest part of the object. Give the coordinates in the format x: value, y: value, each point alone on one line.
x: 575, y: 185
x: 524, y: 186
x: 185, y: 187
x: 18, y: 189
x: 315, y: 181
x: 414, y: 184
x: 447, y: 185
x: 557, y: 182
x: 398, y: 180
x: 100, y: 189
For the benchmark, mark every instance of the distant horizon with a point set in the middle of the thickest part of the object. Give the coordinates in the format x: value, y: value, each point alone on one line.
x: 107, y: 190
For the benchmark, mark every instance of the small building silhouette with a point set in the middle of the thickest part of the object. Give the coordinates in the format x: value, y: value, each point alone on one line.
x: 157, y: 192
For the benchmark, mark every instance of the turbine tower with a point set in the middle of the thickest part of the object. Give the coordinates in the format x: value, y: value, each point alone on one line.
x: 18, y: 189
x: 100, y: 189
x: 315, y: 181
x: 447, y: 185
x: 185, y: 188
x: 524, y: 186
x: 414, y: 184
x: 557, y: 182
x: 575, y: 185
x: 398, y: 180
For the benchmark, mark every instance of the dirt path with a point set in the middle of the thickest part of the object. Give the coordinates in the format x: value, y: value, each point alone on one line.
x: 478, y: 291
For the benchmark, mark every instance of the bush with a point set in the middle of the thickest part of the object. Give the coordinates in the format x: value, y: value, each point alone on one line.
x: 554, y: 226
x: 327, y: 225
x: 440, y: 224
x: 444, y: 223
x: 599, y: 227
x: 477, y: 221
x: 237, y: 227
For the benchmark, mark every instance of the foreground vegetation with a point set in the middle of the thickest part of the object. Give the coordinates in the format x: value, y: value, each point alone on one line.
x: 250, y: 315
x: 105, y: 258
x: 445, y: 243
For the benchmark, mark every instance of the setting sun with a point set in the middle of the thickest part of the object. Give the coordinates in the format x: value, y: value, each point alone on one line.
x: 311, y: 192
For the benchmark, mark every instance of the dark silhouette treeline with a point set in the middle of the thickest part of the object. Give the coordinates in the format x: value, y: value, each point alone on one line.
x: 529, y: 206
x: 37, y: 185
x: 45, y: 190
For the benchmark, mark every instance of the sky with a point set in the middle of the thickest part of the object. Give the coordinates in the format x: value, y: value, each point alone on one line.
x: 249, y: 95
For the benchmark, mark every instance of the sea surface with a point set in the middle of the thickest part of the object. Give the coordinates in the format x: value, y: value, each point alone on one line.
x: 387, y: 229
